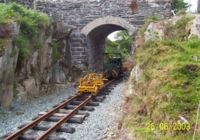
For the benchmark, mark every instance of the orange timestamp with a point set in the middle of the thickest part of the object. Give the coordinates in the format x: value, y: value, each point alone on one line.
x: 163, y: 126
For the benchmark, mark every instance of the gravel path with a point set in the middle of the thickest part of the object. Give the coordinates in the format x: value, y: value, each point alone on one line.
x: 95, y: 127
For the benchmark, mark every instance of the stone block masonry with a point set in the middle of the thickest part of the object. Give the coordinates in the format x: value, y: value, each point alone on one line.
x: 77, y: 14
x: 28, y: 3
x: 80, y: 13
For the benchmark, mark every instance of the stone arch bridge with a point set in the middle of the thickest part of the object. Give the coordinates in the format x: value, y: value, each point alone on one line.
x: 93, y: 20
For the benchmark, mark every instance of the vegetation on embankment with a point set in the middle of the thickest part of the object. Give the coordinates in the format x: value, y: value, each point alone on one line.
x: 32, y: 26
x: 169, y: 88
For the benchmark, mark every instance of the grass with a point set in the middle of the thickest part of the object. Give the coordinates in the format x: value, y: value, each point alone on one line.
x: 170, y: 85
x: 178, y: 31
x: 32, y: 24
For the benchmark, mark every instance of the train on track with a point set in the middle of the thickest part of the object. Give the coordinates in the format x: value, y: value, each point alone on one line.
x: 93, y: 82
x: 113, y: 66
x: 68, y: 110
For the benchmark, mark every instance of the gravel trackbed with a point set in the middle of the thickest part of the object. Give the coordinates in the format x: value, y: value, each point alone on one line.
x: 95, y: 127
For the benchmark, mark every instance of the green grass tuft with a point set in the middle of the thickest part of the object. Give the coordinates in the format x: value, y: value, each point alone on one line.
x: 32, y: 24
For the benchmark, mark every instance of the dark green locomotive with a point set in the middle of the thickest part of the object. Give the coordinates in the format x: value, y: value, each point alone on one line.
x: 112, y: 66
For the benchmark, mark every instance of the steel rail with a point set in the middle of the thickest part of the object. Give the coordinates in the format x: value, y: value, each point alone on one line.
x: 46, y: 134
x: 17, y: 134
x: 104, y: 86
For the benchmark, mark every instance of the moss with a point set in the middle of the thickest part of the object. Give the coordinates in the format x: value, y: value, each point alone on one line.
x: 55, y: 54
x: 3, y: 43
x: 22, y: 43
x: 32, y: 24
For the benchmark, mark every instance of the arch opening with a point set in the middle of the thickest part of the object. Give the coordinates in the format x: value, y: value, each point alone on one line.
x: 96, y: 33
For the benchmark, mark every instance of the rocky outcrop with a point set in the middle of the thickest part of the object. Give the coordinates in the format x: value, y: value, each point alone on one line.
x: 155, y: 30
x: 40, y: 71
x: 8, y: 62
x: 195, y: 27
x: 9, y: 30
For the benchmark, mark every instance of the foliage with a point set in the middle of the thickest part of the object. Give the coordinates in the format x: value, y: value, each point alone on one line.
x: 22, y: 42
x: 122, y: 45
x: 179, y: 5
x: 7, y: 14
x: 32, y: 24
x: 170, y: 85
x: 179, y: 30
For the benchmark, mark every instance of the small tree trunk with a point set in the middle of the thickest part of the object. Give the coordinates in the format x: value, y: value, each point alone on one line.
x: 198, y: 6
x: 34, y: 5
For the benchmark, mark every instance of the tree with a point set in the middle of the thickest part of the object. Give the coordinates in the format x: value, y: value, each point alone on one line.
x: 122, y: 44
x: 179, y: 5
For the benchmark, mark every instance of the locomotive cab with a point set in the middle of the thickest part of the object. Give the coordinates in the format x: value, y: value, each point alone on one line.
x: 112, y: 66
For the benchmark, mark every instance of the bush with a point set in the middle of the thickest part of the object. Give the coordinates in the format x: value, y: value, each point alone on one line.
x: 7, y: 14
x: 179, y: 5
x: 179, y: 30
x: 22, y: 43
x: 32, y: 24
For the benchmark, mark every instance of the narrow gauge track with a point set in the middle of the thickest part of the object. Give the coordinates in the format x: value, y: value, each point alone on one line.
x: 79, y: 100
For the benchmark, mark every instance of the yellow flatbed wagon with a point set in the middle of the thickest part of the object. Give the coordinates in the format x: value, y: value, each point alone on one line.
x: 91, y: 83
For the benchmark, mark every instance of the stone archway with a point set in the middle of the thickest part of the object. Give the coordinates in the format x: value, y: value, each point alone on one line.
x: 96, y: 32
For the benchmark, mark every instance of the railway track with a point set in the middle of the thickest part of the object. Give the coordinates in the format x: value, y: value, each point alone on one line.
x: 69, y: 111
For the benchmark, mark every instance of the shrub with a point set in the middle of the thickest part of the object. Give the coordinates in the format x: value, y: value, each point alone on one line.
x: 22, y: 43
x: 32, y: 24
x: 7, y: 14
x: 179, y: 5
x: 177, y: 31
